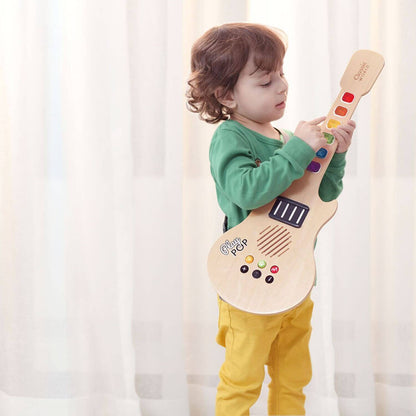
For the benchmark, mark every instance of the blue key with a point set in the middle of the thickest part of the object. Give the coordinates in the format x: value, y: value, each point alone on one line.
x: 321, y: 153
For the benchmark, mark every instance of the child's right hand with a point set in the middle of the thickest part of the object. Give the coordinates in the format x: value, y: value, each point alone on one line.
x: 311, y: 133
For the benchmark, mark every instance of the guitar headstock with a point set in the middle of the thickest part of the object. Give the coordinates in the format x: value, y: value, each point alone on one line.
x: 362, y: 71
x: 359, y: 77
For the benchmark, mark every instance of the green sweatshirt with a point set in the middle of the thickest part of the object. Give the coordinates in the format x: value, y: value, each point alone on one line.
x: 250, y: 169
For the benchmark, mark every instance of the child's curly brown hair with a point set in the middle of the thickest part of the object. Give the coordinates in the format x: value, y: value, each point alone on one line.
x: 218, y: 57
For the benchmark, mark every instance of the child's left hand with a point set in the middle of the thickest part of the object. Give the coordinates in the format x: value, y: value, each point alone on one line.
x: 343, y: 134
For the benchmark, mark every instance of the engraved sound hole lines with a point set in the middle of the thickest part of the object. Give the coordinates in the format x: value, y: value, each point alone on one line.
x: 274, y: 241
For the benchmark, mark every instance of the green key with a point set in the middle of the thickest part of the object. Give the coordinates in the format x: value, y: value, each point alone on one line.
x: 329, y: 138
x: 262, y: 264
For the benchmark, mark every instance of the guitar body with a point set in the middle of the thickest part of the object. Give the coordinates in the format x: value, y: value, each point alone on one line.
x: 267, y: 259
x: 266, y: 265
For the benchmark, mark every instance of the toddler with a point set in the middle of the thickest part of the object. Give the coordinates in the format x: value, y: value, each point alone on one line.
x: 237, y: 79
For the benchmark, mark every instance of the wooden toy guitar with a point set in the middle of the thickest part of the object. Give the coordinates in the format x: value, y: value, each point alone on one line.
x: 266, y: 264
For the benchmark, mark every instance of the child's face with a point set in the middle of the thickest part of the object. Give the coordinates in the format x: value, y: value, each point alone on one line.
x: 258, y: 95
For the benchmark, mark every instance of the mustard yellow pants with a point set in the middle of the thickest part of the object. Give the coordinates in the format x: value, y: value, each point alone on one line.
x: 252, y: 341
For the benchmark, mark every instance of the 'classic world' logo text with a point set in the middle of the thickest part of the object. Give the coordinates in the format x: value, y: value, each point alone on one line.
x: 362, y: 71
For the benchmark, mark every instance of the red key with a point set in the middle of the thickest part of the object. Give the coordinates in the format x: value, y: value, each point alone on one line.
x: 348, y: 97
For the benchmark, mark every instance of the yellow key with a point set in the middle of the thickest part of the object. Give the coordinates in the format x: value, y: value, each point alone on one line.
x: 332, y: 124
x: 249, y: 259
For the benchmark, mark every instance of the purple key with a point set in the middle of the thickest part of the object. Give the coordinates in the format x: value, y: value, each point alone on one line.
x: 314, y: 167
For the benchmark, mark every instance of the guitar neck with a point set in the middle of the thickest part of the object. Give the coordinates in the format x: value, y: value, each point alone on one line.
x: 359, y: 76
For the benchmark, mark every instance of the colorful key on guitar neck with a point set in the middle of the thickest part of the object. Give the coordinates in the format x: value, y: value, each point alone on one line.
x: 358, y: 79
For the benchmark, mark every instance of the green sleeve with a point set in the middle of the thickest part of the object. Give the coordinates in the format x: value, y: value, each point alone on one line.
x: 331, y: 185
x: 246, y: 185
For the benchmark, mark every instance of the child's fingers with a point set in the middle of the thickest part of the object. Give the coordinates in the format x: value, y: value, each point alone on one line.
x: 318, y: 120
x: 350, y: 125
x: 348, y: 128
x: 341, y: 131
x: 343, y: 134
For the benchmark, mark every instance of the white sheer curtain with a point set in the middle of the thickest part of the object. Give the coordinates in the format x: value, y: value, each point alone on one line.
x: 90, y: 208
x: 364, y: 339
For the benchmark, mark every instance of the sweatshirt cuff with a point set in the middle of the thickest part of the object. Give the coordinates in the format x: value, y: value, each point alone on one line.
x: 298, y: 151
x: 338, y: 160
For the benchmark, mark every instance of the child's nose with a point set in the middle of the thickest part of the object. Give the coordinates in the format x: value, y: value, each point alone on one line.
x: 282, y: 88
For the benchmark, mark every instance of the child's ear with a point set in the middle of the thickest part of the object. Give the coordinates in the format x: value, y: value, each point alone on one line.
x: 226, y: 99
